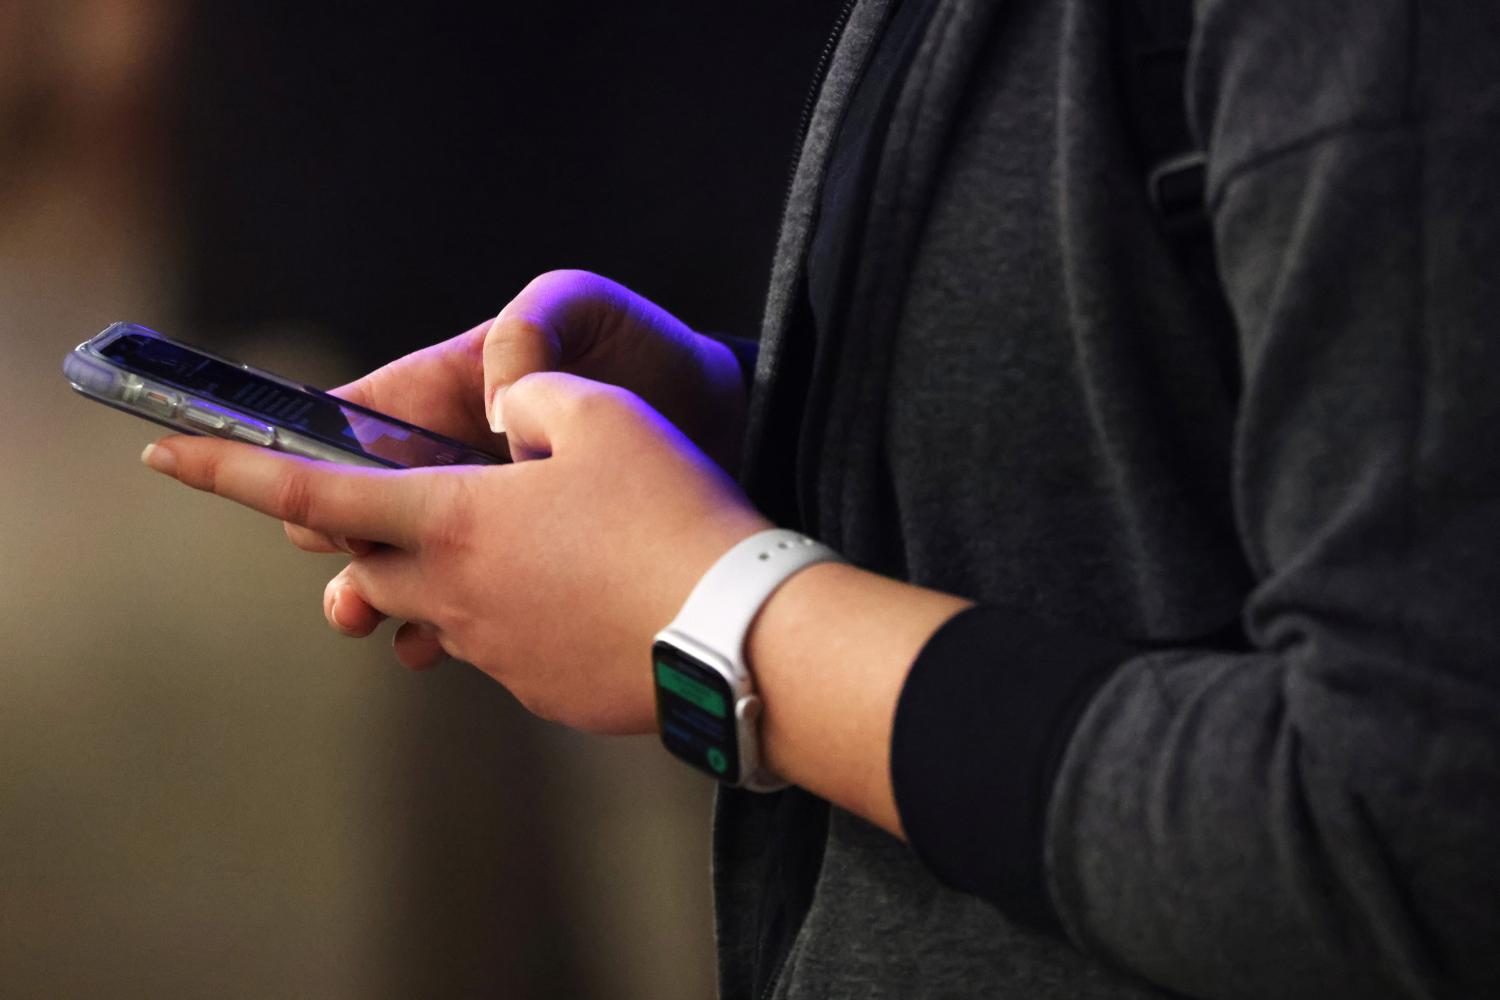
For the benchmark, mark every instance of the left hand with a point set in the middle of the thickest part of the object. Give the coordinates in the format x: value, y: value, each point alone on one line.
x: 551, y: 574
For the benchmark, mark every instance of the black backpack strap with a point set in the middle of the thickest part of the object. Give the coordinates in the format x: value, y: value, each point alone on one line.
x: 1153, y: 38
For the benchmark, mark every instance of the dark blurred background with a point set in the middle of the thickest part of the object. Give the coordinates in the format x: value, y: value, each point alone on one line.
x: 203, y: 791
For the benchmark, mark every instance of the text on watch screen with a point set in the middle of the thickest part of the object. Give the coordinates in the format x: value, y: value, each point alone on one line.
x: 695, y: 712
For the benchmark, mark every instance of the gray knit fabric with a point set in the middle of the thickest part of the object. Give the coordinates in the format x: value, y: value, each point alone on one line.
x: 1055, y: 422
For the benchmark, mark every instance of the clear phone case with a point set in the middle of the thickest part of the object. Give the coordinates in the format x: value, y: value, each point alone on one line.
x: 103, y: 378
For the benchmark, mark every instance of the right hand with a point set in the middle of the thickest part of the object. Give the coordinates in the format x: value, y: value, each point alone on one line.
x: 570, y: 321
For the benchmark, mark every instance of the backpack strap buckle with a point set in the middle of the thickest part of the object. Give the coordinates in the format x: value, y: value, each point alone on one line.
x: 1177, y: 187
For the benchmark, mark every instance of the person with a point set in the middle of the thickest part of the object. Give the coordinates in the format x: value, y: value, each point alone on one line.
x: 1163, y: 658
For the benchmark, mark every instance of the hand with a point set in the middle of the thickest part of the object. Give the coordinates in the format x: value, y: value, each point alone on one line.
x: 564, y: 320
x: 440, y: 388
x: 578, y: 322
x: 551, y: 574
x: 575, y: 322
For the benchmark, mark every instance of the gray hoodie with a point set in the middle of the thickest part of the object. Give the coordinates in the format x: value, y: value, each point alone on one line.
x: 1042, y: 412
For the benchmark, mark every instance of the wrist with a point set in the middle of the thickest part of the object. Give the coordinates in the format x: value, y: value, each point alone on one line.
x: 830, y: 651
x: 708, y: 708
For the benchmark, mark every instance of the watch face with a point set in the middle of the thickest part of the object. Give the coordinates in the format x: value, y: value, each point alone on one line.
x: 695, y: 713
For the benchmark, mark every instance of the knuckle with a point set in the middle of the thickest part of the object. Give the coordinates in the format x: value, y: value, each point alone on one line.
x: 566, y: 279
x: 452, y: 627
x: 206, y: 471
x: 548, y: 709
x: 293, y: 497
x: 446, y: 522
x: 596, y: 400
x: 584, y: 406
x: 449, y: 645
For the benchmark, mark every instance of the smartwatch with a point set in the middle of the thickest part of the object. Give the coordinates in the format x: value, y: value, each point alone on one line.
x: 706, y: 707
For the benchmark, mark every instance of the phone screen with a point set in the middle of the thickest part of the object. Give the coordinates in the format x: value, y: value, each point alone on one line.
x: 306, y: 410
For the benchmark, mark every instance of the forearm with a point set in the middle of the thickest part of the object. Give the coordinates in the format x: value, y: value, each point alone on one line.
x: 830, y: 652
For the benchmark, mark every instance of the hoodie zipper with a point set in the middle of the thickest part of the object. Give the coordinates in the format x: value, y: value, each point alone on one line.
x: 804, y: 125
x: 810, y: 103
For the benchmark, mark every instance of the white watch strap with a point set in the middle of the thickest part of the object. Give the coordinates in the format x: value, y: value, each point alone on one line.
x: 719, y: 611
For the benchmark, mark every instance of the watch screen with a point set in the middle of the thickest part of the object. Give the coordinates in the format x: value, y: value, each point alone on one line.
x: 695, y: 713
x: 300, y: 408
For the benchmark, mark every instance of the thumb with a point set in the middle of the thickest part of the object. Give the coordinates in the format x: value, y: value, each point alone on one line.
x: 556, y: 316
x: 516, y: 345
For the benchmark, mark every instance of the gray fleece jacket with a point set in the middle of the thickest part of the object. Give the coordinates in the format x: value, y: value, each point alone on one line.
x: 1037, y: 409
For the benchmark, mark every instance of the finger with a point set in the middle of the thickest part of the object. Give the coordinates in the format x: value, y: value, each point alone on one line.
x: 557, y: 316
x: 346, y: 610
x: 362, y: 390
x: 337, y: 500
x: 308, y: 540
x: 544, y: 409
x: 387, y: 388
x: 390, y: 581
x: 440, y: 387
x: 417, y: 647
x: 315, y: 541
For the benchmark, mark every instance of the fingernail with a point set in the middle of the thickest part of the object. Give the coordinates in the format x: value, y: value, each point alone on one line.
x: 497, y: 417
x: 341, y: 620
x: 159, y: 459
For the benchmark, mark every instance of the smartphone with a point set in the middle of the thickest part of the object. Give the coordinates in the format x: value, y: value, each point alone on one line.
x: 179, y: 386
